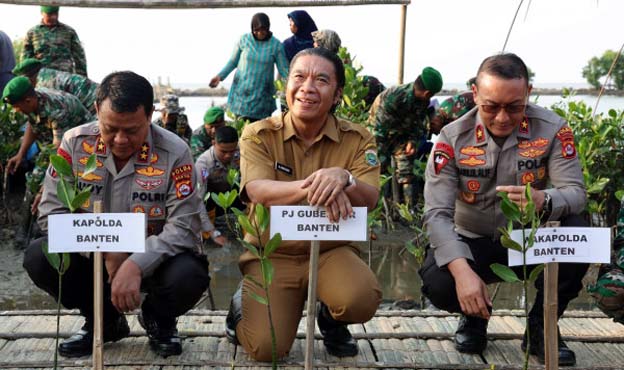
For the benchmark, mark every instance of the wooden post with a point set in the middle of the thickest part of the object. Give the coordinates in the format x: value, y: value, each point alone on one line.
x: 551, y: 343
x: 98, y: 303
x: 311, y: 315
x: 402, y: 43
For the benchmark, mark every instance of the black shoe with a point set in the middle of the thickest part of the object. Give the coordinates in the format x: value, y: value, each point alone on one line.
x: 81, y: 343
x: 162, y: 334
x: 235, y: 315
x: 471, y: 335
x: 536, y: 347
x: 336, y: 337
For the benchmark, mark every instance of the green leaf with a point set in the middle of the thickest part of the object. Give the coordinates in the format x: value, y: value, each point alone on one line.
x: 597, y: 186
x: 61, y: 165
x: 405, y: 213
x: 509, y: 208
x: 64, y: 194
x: 258, y: 299
x: 535, y: 273
x: 262, y: 217
x: 65, y: 262
x: 504, y: 272
x: 509, y: 243
x: 218, y: 199
x: 254, y: 281
x: 231, y: 197
x: 53, y: 258
x: 267, y: 271
x: 619, y: 194
x: 272, y: 245
x: 243, y: 220
x: 252, y: 248
x: 91, y: 165
x: 81, y: 197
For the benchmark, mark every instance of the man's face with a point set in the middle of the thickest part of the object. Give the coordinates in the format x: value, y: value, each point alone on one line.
x: 26, y: 106
x: 501, y: 102
x: 225, y: 151
x: 213, y: 127
x: 169, y: 118
x: 49, y: 19
x: 312, y: 88
x: 123, y: 133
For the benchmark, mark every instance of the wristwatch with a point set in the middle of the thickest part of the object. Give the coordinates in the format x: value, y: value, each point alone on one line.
x: 350, y: 180
x: 215, y: 234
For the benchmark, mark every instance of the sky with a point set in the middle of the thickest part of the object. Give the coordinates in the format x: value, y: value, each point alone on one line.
x: 556, y: 38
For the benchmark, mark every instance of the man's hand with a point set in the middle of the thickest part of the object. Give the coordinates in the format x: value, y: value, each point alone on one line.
x: 471, y: 291
x: 341, y: 207
x: 13, y: 163
x: 126, y: 287
x: 516, y: 195
x: 409, y: 149
x: 214, y: 81
x: 324, y: 185
x: 112, y: 262
x: 35, y: 204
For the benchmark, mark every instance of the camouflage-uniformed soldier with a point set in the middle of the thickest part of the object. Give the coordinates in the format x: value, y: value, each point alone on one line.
x: 212, y: 169
x: 172, y: 118
x: 78, y: 85
x: 141, y: 168
x: 50, y: 113
x: 500, y: 146
x: 609, y: 288
x: 450, y: 110
x: 203, y: 136
x: 55, y: 44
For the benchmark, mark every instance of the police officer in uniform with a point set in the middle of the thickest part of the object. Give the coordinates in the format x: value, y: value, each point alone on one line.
x: 307, y: 156
x: 500, y: 146
x: 140, y: 168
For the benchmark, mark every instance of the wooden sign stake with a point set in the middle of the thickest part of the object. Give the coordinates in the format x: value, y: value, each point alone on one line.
x: 311, y: 314
x: 551, y: 338
x: 98, y: 303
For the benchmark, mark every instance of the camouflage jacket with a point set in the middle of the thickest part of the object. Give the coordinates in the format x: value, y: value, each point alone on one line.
x: 397, y: 117
x: 200, y: 142
x: 57, y: 112
x: 79, y: 86
x: 57, y: 47
x: 181, y: 128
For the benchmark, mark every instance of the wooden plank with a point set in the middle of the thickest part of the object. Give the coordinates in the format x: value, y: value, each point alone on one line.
x: 502, y: 352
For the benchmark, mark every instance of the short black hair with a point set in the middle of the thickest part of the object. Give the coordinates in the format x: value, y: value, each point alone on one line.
x: 226, y: 134
x: 330, y: 56
x: 127, y: 91
x: 508, y: 66
x: 420, y: 85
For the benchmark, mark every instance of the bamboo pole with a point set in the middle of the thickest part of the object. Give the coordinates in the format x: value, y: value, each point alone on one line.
x: 551, y: 343
x: 98, y: 302
x: 194, y: 4
x: 402, y: 43
x: 311, y: 315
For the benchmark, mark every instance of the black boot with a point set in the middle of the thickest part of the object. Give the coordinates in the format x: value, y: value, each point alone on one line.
x: 162, y: 334
x: 81, y: 343
x: 471, y: 335
x: 536, y: 346
x: 235, y: 315
x: 337, y: 338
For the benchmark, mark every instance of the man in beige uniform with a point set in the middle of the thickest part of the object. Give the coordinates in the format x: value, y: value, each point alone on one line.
x: 140, y: 168
x: 300, y: 158
x: 501, y: 145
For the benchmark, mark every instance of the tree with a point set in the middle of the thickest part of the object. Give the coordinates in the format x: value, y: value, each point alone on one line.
x: 18, y: 47
x: 597, y: 68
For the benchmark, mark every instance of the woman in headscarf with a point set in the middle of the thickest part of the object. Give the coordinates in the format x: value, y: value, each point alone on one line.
x: 302, y: 26
x: 255, y: 54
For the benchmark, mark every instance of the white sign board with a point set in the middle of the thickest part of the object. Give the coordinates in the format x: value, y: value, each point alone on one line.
x: 102, y: 232
x: 311, y: 223
x: 564, y: 244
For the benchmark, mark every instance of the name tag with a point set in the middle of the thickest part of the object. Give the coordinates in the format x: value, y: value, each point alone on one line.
x: 283, y: 168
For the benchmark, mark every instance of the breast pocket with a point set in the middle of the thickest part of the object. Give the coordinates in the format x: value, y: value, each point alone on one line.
x: 474, y: 183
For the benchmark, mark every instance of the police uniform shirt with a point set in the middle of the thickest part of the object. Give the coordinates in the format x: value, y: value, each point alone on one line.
x: 271, y: 150
x: 159, y: 181
x: 466, y: 165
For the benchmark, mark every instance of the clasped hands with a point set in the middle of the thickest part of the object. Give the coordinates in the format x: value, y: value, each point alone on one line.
x: 326, y: 187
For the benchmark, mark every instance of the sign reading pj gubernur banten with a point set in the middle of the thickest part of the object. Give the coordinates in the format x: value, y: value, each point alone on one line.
x: 101, y: 232
x: 311, y: 223
x: 564, y: 244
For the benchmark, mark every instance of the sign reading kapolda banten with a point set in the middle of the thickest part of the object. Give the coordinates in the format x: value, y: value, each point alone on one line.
x: 311, y: 223
x: 564, y: 244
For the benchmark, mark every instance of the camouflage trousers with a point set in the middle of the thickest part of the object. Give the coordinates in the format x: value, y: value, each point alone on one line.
x: 609, y: 288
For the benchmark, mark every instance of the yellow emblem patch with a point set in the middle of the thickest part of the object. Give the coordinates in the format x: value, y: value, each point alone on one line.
x: 150, y: 171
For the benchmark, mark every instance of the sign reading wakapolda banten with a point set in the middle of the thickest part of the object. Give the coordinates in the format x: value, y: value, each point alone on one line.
x: 311, y: 223
x: 564, y: 244
x: 102, y: 232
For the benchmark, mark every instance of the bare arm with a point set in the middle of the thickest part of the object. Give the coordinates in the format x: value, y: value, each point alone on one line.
x: 273, y: 192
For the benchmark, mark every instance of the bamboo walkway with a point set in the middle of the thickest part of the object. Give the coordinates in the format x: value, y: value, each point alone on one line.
x: 391, y: 340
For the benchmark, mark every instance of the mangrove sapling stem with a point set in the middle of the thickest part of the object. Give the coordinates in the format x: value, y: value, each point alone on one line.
x: 58, y: 318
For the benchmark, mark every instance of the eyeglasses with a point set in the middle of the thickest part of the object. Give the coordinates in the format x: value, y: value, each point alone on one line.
x: 510, y: 109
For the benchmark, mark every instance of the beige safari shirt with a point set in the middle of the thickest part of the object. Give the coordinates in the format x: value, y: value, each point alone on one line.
x: 158, y: 181
x: 466, y: 165
x: 271, y: 150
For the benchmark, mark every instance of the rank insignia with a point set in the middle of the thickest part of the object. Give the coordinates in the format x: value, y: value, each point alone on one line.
x: 479, y: 133
x: 150, y: 171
